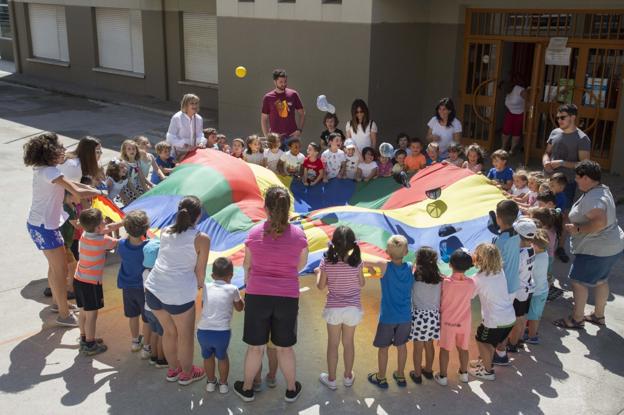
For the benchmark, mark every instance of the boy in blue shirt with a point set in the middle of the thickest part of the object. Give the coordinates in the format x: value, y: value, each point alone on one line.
x: 395, y: 313
x: 130, y: 276
x: 165, y: 162
x: 500, y: 173
x: 508, y: 243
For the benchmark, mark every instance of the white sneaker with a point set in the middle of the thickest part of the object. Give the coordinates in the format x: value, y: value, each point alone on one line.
x: 463, y: 377
x: 331, y: 384
x: 481, y: 373
x: 146, y: 352
x: 475, y: 363
x: 211, y: 385
x: 137, y: 344
x: 348, y: 382
x: 223, y: 388
x: 442, y: 381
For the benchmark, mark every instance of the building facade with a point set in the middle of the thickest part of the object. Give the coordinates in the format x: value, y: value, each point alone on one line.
x: 400, y: 56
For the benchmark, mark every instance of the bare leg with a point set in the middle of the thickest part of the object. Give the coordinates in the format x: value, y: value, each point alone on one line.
x: 169, y: 338
x: 429, y: 355
x: 417, y: 357
x: 444, y: 361
x: 533, y: 326
x: 580, y: 293
x: 154, y: 344
x: 601, y: 295
x: 401, y: 359
x: 382, y: 361
x: 81, y: 323
x: 133, y: 322
x: 185, y: 325
x: 515, y: 143
x: 348, y: 349
x: 57, y: 273
x: 209, y: 367
x: 463, y: 360
x: 224, y: 370
x: 333, y: 341
x: 271, y: 353
x: 90, y: 323
x: 253, y: 364
x: 147, y: 334
x: 487, y: 354
x: 287, y: 364
x: 161, y: 349
x: 505, y: 142
x: 517, y: 330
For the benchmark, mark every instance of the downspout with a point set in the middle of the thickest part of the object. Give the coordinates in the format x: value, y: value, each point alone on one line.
x: 16, y: 47
x: 164, y: 31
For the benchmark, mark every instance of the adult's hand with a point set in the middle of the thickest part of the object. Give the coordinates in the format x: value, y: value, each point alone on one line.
x: 296, y: 133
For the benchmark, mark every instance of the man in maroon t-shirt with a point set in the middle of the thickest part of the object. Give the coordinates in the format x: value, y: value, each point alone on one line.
x: 278, y: 109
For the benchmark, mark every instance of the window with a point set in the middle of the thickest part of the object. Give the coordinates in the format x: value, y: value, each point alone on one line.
x: 48, y: 32
x: 120, y: 39
x: 5, y: 24
x: 332, y: 1
x: 200, y: 47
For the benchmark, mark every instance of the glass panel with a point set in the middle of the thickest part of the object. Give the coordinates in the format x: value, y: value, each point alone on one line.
x: 481, y: 67
x: 474, y: 128
x: 603, y: 78
x: 5, y: 24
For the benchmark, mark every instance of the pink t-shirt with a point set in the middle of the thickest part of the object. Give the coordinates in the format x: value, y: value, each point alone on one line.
x: 274, y: 261
x: 343, y: 284
x: 455, y: 311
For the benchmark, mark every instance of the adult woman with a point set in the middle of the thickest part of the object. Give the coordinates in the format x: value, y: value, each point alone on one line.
x: 185, y: 131
x: 83, y: 161
x: 596, y: 241
x: 444, y: 128
x: 361, y: 129
x: 171, y: 288
x: 514, y: 116
x: 275, y: 252
x: 44, y: 152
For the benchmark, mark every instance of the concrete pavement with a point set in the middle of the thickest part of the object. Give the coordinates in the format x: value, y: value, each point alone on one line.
x: 42, y: 372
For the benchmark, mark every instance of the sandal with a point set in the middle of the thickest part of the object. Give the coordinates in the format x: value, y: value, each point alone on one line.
x: 594, y: 319
x: 380, y: 383
x: 569, y: 323
x: 416, y: 379
x: 400, y: 380
x: 427, y: 374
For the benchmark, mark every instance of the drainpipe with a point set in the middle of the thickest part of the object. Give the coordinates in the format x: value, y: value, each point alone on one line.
x: 164, y: 31
x: 16, y: 48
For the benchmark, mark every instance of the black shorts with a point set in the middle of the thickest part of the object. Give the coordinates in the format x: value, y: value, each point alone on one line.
x: 134, y: 302
x: 522, y: 307
x: 277, y: 316
x: 490, y: 336
x: 89, y: 297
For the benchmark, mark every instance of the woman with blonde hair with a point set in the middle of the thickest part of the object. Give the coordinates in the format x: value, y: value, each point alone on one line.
x: 185, y: 132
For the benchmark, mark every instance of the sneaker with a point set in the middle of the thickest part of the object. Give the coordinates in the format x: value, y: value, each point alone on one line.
x: 331, y: 384
x: 500, y: 360
x: 512, y: 348
x: 137, y: 344
x: 554, y: 293
x: 153, y: 360
x: 47, y: 292
x: 426, y: 374
x: 83, y: 344
x: 348, y: 382
x: 440, y: 380
x: 475, y: 363
x: 54, y: 307
x: 532, y: 340
x: 146, y: 352
x: 196, y: 374
x: 97, y: 348
x: 223, y: 388
x: 561, y: 254
x: 257, y: 387
x: 70, y: 321
x: 291, y: 396
x: 463, y: 377
x: 270, y: 382
x: 173, y: 374
x: 211, y: 385
x: 481, y: 373
x: 245, y: 395
x: 162, y: 363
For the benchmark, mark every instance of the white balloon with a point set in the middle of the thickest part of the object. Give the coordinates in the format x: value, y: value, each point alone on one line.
x: 323, y: 105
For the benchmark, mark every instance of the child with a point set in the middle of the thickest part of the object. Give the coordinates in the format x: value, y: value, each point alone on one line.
x: 333, y: 158
x: 273, y: 154
x: 395, y: 315
x: 474, y: 155
x: 352, y: 160
x: 238, y: 146
x: 496, y: 309
x: 403, y: 143
x: 425, y: 311
x: 540, y: 276
x: 557, y: 184
x: 454, y: 152
x: 137, y: 183
x: 147, y: 160
x: 154, y: 349
x: 399, y: 166
x: 500, y: 174
x: 526, y: 228
x: 520, y: 185
x: 211, y: 136
x: 508, y: 242
x: 254, y: 154
x: 433, y: 153
x: 214, y: 328
x: 222, y: 144
x: 165, y: 162
x: 415, y: 161
x: 367, y: 169
x: 529, y: 199
x: 291, y: 162
x: 116, y: 179
x: 88, y: 277
x: 330, y: 121
x: 130, y: 275
x: 455, y: 322
x: 313, y: 169
x: 68, y: 230
x: 384, y: 165
x: 341, y: 272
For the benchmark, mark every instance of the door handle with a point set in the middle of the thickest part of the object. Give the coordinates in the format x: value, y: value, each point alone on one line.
x: 531, y: 108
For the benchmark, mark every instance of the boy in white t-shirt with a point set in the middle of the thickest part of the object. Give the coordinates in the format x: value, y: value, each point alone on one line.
x: 352, y: 160
x: 333, y: 158
x: 291, y: 162
x: 213, y: 330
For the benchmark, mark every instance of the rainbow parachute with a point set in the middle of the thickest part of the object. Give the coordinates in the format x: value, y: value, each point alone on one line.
x: 231, y: 191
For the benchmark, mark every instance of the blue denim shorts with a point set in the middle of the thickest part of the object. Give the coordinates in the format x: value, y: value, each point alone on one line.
x: 591, y: 270
x: 44, y: 238
x: 153, y: 322
x: 214, y: 342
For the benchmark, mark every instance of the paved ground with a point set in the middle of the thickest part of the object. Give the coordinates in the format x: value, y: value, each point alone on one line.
x: 41, y: 371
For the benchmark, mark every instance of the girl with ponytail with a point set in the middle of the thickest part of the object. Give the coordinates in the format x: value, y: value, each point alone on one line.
x: 171, y: 288
x: 341, y: 272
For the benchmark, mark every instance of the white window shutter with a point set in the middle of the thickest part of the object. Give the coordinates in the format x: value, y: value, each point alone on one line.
x: 200, y: 47
x: 120, y: 39
x: 48, y: 32
x: 136, y: 24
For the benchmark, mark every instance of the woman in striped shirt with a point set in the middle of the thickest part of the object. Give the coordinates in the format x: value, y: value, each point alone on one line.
x: 341, y: 272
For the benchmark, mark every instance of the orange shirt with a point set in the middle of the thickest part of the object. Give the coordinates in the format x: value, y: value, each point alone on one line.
x: 415, y: 162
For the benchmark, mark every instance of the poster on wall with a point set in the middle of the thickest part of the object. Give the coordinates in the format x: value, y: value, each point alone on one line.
x: 557, y: 53
x: 595, y: 92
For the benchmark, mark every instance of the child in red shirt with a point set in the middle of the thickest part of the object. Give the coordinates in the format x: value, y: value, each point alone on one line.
x: 313, y: 169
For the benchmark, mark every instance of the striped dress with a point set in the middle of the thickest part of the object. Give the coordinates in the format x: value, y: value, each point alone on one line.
x: 92, y: 248
x: 343, y: 284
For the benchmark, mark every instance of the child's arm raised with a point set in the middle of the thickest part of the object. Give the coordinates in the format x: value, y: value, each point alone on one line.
x: 373, y: 265
x: 112, y: 227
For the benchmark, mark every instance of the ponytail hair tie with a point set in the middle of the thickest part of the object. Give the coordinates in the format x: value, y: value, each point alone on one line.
x: 558, y: 210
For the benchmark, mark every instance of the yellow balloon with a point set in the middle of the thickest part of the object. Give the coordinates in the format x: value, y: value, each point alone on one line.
x: 240, y: 71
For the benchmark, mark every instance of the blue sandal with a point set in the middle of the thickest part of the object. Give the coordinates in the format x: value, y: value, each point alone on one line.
x: 400, y: 380
x: 380, y: 383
